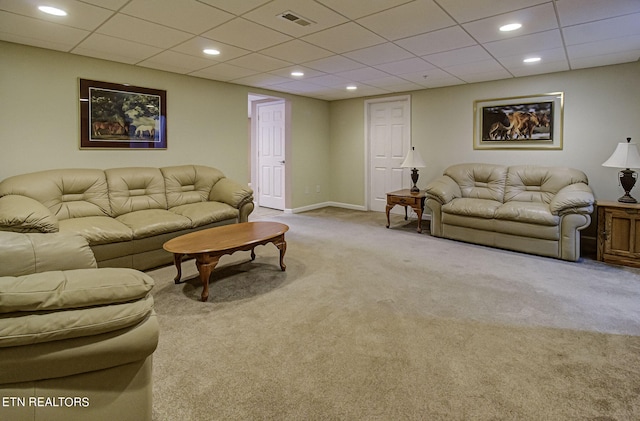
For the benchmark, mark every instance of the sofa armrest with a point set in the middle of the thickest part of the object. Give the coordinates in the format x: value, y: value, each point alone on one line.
x: 230, y: 192
x: 24, y: 214
x: 574, y: 198
x: 22, y: 254
x: 443, y: 189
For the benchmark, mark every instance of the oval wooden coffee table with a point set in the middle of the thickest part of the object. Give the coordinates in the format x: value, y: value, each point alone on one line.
x: 207, y: 246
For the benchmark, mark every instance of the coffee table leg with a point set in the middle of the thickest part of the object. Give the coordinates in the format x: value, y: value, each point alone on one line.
x: 177, y: 260
x: 282, y: 246
x: 205, y: 265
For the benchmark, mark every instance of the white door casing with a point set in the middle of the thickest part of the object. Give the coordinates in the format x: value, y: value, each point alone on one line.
x: 388, y: 141
x: 271, y: 154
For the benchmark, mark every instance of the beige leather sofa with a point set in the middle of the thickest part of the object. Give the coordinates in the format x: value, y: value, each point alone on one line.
x: 76, y: 342
x: 126, y: 214
x: 527, y: 208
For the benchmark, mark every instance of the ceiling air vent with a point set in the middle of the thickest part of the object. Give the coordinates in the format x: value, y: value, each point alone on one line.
x: 295, y: 18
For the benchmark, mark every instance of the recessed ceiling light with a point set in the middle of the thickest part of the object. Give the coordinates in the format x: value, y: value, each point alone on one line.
x: 297, y: 73
x: 352, y: 88
x: 52, y: 10
x: 510, y: 27
x: 532, y: 60
x: 211, y: 51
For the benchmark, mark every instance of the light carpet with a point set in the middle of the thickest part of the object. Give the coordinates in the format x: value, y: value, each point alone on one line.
x: 369, y: 323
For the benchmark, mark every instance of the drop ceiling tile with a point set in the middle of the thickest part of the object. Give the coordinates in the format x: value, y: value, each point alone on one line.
x: 194, y: 47
x: 80, y: 15
x: 354, y: 9
x: 379, y: 54
x: 464, y: 55
x: 483, y: 67
x: 234, y: 6
x: 466, y: 11
x: 296, y: 52
x: 260, y: 80
x: 108, y: 4
x: 437, y: 41
x: 605, y: 59
x: 114, y: 49
x: 486, y: 76
x: 190, y: 16
x: 331, y: 81
x: 29, y: 31
x: 533, y: 19
x: 138, y: 30
x: 172, y: 61
x: 334, y: 64
x: 414, y: 18
x: 223, y: 72
x: 525, y: 44
x: 401, y: 67
x: 619, y: 27
x: 386, y: 82
x: 259, y: 62
x: 554, y: 55
x: 286, y: 72
x: 427, y: 77
x: 524, y: 69
x: 604, y: 47
x: 366, y: 90
x: 320, y: 16
x: 246, y: 34
x: 364, y: 74
x: 572, y: 12
x: 342, y: 38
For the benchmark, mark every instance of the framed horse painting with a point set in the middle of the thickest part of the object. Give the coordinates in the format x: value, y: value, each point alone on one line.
x: 523, y: 122
x: 122, y: 116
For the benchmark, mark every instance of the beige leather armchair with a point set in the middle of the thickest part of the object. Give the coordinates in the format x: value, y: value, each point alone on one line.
x: 76, y: 342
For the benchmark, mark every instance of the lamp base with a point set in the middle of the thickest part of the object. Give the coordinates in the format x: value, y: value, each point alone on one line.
x: 414, y: 178
x: 627, y: 180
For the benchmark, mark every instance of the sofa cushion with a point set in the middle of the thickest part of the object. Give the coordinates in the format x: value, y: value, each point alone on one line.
x: 134, y: 189
x: 78, y: 288
x: 35, y: 327
x: 98, y: 229
x: 67, y: 193
x: 204, y: 213
x: 480, y: 208
x: 480, y: 181
x: 532, y: 183
x: 22, y: 254
x: 189, y: 183
x: 147, y: 223
x: 528, y: 212
x: 24, y: 214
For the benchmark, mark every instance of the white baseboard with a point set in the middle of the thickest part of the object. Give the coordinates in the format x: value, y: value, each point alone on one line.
x: 324, y: 205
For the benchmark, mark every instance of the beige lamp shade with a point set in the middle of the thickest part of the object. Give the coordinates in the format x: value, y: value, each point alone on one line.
x: 625, y: 156
x: 413, y: 159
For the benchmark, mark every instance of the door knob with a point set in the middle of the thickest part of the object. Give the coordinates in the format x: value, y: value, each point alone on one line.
x: 282, y: 162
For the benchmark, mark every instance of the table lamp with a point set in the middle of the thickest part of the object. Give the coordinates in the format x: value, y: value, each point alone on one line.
x: 413, y: 161
x: 625, y: 156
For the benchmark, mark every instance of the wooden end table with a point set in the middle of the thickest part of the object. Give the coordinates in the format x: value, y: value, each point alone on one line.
x: 207, y: 246
x: 407, y: 198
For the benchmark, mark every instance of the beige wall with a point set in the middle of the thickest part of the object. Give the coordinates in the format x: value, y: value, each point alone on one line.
x: 602, y: 108
x: 39, y: 124
x: 207, y: 121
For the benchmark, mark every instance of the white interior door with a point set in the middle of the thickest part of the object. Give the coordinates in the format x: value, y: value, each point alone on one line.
x: 389, y: 138
x: 271, y: 154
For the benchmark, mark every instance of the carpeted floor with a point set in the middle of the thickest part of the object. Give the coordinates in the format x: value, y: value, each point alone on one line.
x: 369, y: 323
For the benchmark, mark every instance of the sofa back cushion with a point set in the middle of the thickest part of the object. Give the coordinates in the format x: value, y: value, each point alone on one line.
x: 187, y: 184
x: 69, y: 193
x: 136, y: 188
x: 534, y: 183
x: 479, y: 181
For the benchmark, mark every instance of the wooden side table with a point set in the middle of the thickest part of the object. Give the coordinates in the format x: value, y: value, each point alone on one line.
x: 406, y: 198
x: 619, y: 233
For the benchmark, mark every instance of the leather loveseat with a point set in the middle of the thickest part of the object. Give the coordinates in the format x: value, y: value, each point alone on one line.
x: 76, y: 342
x: 526, y: 208
x: 126, y: 214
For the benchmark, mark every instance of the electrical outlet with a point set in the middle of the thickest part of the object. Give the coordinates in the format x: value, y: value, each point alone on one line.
x: 306, y: 189
x: 318, y: 188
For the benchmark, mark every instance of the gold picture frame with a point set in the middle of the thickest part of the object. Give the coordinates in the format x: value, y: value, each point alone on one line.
x: 520, y: 122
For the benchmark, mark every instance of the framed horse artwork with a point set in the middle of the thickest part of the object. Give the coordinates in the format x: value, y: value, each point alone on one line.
x: 122, y: 116
x: 523, y: 122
